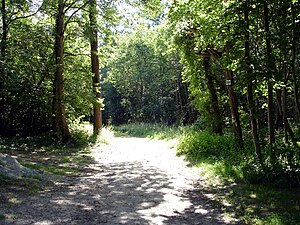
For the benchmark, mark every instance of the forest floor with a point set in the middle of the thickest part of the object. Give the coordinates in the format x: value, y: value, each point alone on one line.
x: 124, y: 181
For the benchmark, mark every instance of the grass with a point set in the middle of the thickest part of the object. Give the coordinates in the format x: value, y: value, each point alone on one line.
x: 227, y: 171
x: 148, y: 130
x: 49, y: 154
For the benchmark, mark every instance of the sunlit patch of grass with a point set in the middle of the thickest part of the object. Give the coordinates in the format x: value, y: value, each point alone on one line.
x: 8, y: 216
x: 58, y: 170
x: 106, y: 135
x: 148, y: 130
x: 267, y: 205
x: 47, y: 153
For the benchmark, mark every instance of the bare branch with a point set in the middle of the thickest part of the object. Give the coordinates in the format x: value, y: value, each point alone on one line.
x: 76, y: 11
x: 70, y: 6
x: 26, y: 16
x: 67, y: 54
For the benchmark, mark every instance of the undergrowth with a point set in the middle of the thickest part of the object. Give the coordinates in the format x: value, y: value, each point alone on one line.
x: 48, y: 153
x: 148, y: 130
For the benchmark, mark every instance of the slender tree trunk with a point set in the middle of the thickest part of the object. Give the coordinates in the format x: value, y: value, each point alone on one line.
x: 4, y: 30
x: 54, y: 107
x: 59, y: 77
x: 233, y: 102
x: 217, y: 119
x: 282, y: 102
x: 179, y: 97
x: 295, y: 80
x: 270, y: 70
x: 95, y: 67
x: 250, y: 98
x: 3, y: 54
x: 287, y: 126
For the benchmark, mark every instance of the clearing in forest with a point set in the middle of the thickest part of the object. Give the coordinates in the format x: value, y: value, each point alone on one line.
x: 130, y: 181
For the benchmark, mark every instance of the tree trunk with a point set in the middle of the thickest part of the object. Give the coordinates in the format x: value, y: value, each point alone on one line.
x: 217, y: 119
x: 295, y: 80
x: 250, y: 98
x: 270, y: 70
x: 59, y: 77
x: 95, y: 67
x: 54, y: 123
x: 282, y: 109
x: 3, y: 53
x: 233, y: 102
x: 4, y: 30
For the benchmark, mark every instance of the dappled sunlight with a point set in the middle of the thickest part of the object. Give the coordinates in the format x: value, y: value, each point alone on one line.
x: 129, y: 181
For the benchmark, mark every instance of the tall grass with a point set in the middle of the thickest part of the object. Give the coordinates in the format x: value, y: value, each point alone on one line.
x: 149, y: 130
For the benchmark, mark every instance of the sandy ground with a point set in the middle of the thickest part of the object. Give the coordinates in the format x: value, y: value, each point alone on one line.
x: 131, y: 181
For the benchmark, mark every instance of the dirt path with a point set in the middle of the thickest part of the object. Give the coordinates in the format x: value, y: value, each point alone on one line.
x: 132, y: 181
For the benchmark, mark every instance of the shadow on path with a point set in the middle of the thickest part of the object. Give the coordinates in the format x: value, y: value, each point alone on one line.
x: 116, y: 193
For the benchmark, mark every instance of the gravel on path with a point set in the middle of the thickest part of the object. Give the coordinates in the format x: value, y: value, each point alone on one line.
x: 131, y: 181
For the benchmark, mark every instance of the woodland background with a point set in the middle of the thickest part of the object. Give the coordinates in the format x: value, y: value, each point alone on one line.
x: 230, y: 68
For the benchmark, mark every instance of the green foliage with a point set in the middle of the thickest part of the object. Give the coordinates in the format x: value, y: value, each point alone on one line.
x: 143, y: 80
x: 207, y: 145
x: 284, y: 172
x: 28, y: 67
x: 255, y: 192
x: 220, y: 155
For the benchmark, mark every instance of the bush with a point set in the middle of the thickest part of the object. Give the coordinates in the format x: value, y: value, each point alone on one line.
x: 283, y: 172
x: 200, y: 145
x: 222, y: 155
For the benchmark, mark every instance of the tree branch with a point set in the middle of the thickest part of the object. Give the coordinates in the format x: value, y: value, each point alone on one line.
x: 75, y: 54
x: 76, y: 11
x: 70, y: 6
x: 26, y: 16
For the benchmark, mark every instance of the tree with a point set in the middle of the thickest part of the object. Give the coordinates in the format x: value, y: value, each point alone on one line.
x: 251, y: 79
x: 97, y: 105
x: 59, y: 113
x: 59, y: 120
x: 145, y: 74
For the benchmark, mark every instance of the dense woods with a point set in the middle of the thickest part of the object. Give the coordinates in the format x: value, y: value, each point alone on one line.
x: 230, y: 67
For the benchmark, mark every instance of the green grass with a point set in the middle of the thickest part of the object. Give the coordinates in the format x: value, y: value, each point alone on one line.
x: 148, y: 130
x: 46, y: 152
x: 254, y: 192
x: 55, y: 169
x: 2, y: 217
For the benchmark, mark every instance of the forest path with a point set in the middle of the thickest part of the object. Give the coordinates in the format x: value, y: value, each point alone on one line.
x: 131, y: 181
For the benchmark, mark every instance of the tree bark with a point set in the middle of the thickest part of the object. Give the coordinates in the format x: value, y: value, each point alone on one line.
x: 295, y: 80
x: 60, y: 115
x: 3, y: 54
x: 270, y: 70
x: 251, y: 103
x: 4, y: 30
x: 217, y: 119
x: 95, y: 67
x: 233, y: 102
